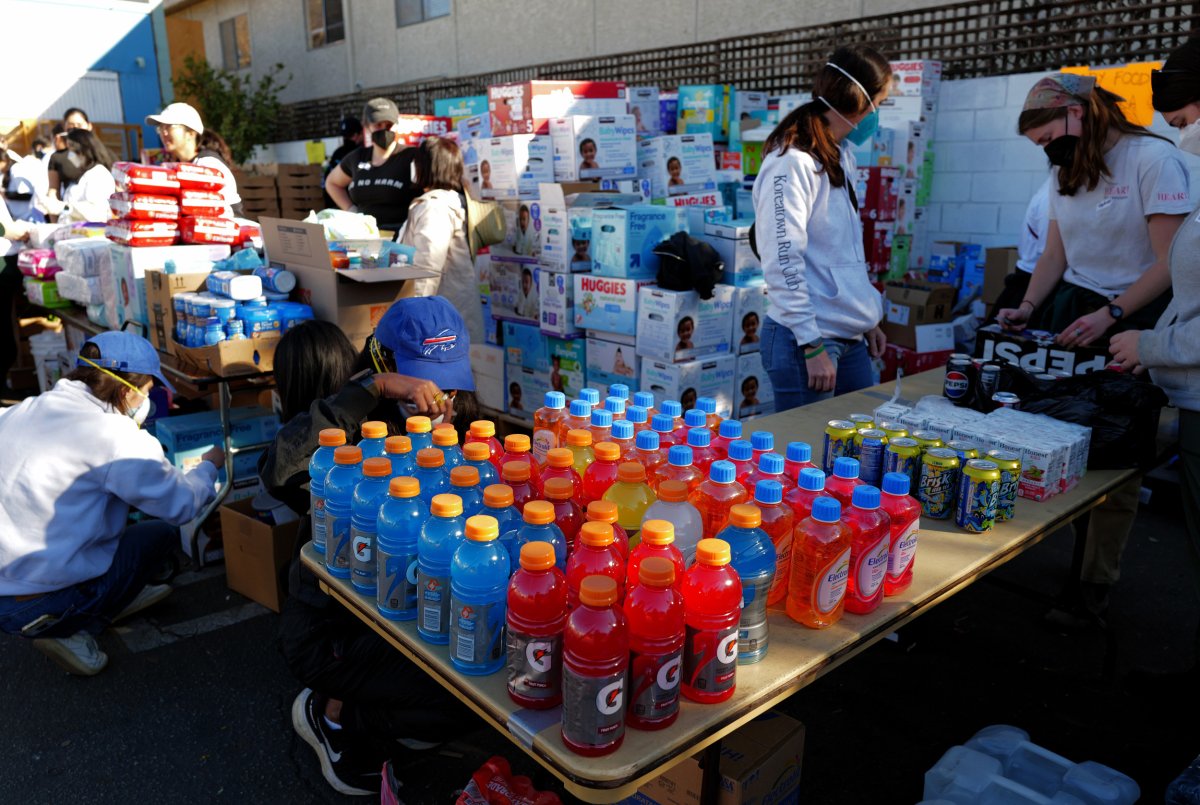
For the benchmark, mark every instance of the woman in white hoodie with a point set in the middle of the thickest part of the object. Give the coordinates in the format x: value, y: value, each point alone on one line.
x: 823, y: 314
x: 75, y: 462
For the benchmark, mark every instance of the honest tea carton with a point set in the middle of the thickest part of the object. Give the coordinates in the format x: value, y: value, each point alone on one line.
x: 706, y: 377
x: 589, y: 147
x: 678, y: 326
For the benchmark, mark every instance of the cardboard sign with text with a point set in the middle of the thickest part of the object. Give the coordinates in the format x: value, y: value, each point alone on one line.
x: 1131, y: 82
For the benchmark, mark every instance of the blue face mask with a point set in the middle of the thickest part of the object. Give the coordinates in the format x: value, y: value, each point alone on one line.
x: 866, y: 128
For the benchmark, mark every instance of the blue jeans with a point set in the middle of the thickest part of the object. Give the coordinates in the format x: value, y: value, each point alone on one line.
x: 90, y: 605
x: 784, y: 363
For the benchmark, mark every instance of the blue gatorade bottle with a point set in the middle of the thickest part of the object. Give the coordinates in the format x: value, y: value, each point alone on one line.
x: 539, y: 526
x: 399, y: 529
x: 339, y: 507
x: 318, y: 467
x: 498, y: 503
x: 420, y: 430
x: 432, y: 473
x: 753, y: 557
x: 441, y: 535
x: 464, y: 482
x: 374, y: 439
x: 369, y: 495
x: 404, y: 460
x: 478, y: 597
x: 479, y: 456
x: 445, y: 438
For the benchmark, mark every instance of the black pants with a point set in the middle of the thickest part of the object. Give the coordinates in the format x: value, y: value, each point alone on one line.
x: 1069, y: 302
x: 10, y: 290
x: 1015, y: 286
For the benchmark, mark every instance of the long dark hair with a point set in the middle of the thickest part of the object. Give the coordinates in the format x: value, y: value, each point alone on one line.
x: 439, y: 165
x: 88, y: 145
x: 312, y: 361
x: 105, y: 387
x: 213, y: 142
x: 805, y: 127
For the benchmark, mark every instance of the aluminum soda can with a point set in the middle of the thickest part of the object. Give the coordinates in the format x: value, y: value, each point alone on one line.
x: 978, y: 491
x: 1006, y: 399
x: 871, y: 445
x: 862, y: 421
x: 839, y: 442
x: 963, y: 449
x: 894, y: 430
x: 1009, y: 464
x: 956, y: 386
x: 989, y: 380
x: 904, y: 456
x: 926, y: 439
x: 939, y: 482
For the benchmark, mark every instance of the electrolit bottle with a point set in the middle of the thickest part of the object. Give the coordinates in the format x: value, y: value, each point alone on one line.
x: 709, y: 406
x: 779, y: 522
x: 820, y: 566
x: 752, y: 555
x: 648, y: 452
x: 601, y: 426
x: 636, y: 415
x: 712, y: 605
x: 654, y: 610
x: 692, y: 418
x: 464, y: 482
x: 546, y: 423
x: 616, y: 407
x: 904, y: 514
x: 483, y: 431
x: 657, y: 539
x: 515, y: 475
x: 770, y: 468
x: 431, y: 473
x: 595, y: 662
x: 446, y: 440
x: 623, y: 438
x: 369, y: 495
x: 568, y: 514
x: 560, y: 463
x: 799, y: 457
x: 664, y: 426
x: 594, y: 555
x: 870, y: 543
x: 844, y: 480
x: 620, y: 391
x: 498, y: 503
x: 605, y: 511
x: 591, y: 396
x: 579, y: 442
x: 441, y: 535
x: 645, y: 401
x: 536, y: 616
x: 539, y: 526
x: 478, y: 594
x: 674, y: 410
x: 318, y: 467
x: 715, y: 496
x: 800, y: 499
x: 579, y: 417
x: 679, y: 467
x: 673, y: 506
x: 761, y: 442
x: 399, y: 529
x: 516, y: 450
x: 741, y: 456
x: 399, y: 450
x: 729, y: 432
x: 374, y: 434
x: 601, y: 473
x: 420, y: 431
x: 703, y: 454
x: 340, y: 484
x: 632, y: 495
x: 477, y: 455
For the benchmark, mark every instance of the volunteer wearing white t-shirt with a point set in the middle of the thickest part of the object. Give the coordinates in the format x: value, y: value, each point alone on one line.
x: 184, y: 138
x: 87, y: 199
x: 823, y: 314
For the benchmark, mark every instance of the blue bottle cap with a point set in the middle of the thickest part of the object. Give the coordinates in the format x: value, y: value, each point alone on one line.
x: 671, y: 408
x: 826, y: 510
x: 581, y: 408
x: 731, y: 429
x: 622, y: 429
x: 695, y: 418
x: 647, y: 440
x: 679, y: 455
x: 591, y: 395
x: 706, y: 404
x: 799, y: 451
x: 846, y: 467
x: 768, y: 492
x: 740, y: 450
x: 812, y: 479
x: 699, y: 437
x: 614, y: 404
x: 723, y: 472
x: 895, y: 483
x: 762, y: 440
x: 663, y: 423
x: 556, y: 400
x: 865, y: 497
x: 644, y: 399
x: 601, y: 418
x: 635, y: 414
x: 771, y: 463
x: 619, y: 390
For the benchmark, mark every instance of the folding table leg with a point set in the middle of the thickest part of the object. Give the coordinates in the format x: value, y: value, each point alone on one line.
x: 710, y: 785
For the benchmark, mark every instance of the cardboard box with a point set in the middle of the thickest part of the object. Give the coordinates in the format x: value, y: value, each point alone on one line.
x: 412, y: 129
x: 731, y: 239
x: 512, y: 167
x: 704, y: 109
x: 752, y: 392
x: 607, y: 303
x: 610, y: 362
x: 257, y: 554
x: 527, y: 107
x: 231, y: 357
x: 472, y: 131
x: 1035, y: 351
x: 896, y: 357
x: 623, y: 239
x: 556, y: 303
x: 922, y: 78
x: 904, y: 148
x: 515, y: 294
x: 970, y: 259
x: 678, y: 326
x: 943, y: 264
x: 998, y: 264
x: 900, y: 109
x: 706, y: 377
x: 748, y: 112
x: 677, y: 164
x: 459, y: 108
x: 877, y: 245
x: 483, y: 276
x: 749, y: 311
x: 644, y: 106
x: 588, y: 147
x: 524, y: 232
x: 487, y: 362
x: 129, y: 267
x: 561, y: 361
x: 878, y: 192
x: 160, y: 291
x: 526, y: 389
x: 186, y: 438
x: 911, y: 306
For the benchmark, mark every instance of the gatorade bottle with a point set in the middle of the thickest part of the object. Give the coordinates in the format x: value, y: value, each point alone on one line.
x: 616, y: 407
x: 515, y: 475
x: 714, y: 497
x: 620, y: 391
x: 579, y: 417
x: 770, y: 468
x: 672, y: 505
x: 374, y: 434
x: 318, y: 467
x: 420, y: 431
x: 477, y: 455
x: 664, y: 426
x: 446, y: 440
x: 648, y: 452
x: 483, y: 431
x: 741, y: 456
x: 820, y: 566
x: 478, y: 593
x: 516, y: 450
x: 679, y: 467
x: 779, y: 522
x: 712, y: 604
x: 800, y: 499
x: 591, y: 396
x: 601, y: 426
x: 637, y: 415
x: 632, y: 495
x: 579, y: 442
x: 546, y: 423
x: 842, y: 483
x: 560, y: 463
x: 703, y: 455
x: 657, y: 539
x: 709, y: 406
x: 623, y: 438
x: 431, y: 473
x: 536, y: 616
x: 399, y: 450
x: 674, y: 410
x: 753, y: 557
x: 594, y: 555
x: 762, y: 442
x: 441, y: 535
x: 340, y: 484
x: 692, y: 418
x: 601, y: 473
x: 464, y: 482
x: 560, y: 493
x: 644, y: 400
x: 595, y: 661
x: 870, y: 543
x: 399, y: 529
x: 369, y: 495
x: 799, y: 457
x: 730, y: 431
x: 905, y: 515
x: 498, y: 503
x: 539, y: 526
x: 654, y: 609
x: 605, y: 511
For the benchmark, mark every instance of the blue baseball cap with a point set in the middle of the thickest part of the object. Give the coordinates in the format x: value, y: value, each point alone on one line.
x: 122, y: 351
x: 429, y: 340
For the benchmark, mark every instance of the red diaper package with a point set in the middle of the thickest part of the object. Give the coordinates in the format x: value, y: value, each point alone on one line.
x: 39, y: 263
x: 144, y: 207
x: 134, y: 177
x: 131, y: 232
x: 202, y: 202
x: 196, y: 177
x: 494, y: 783
x: 249, y: 233
x: 207, y: 229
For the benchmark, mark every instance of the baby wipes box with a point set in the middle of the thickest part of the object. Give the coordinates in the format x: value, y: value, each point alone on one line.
x: 706, y: 377
x: 752, y: 393
x: 677, y: 326
x: 749, y: 312
x: 512, y: 167
x: 556, y: 293
x: 731, y: 239
x: 607, y: 303
x: 623, y: 239
x: 644, y: 106
x: 610, y: 362
x: 514, y: 292
x: 590, y: 147
x: 678, y: 164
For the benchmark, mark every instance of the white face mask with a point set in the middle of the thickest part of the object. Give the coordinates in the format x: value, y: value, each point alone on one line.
x: 140, y: 413
x: 1189, y: 138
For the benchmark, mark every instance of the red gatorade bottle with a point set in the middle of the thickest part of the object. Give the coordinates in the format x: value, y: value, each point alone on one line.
x: 536, y: 615
x: 595, y: 662
x: 712, y: 607
x: 654, y: 609
x: 593, y: 555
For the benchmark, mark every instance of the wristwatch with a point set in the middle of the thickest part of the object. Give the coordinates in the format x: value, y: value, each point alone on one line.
x: 1116, y: 311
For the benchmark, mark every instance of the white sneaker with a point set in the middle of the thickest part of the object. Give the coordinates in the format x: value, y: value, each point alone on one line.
x: 150, y: 595
x: 78, y: 654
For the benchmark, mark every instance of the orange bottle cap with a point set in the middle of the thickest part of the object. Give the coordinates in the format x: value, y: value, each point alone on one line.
x: 539, y: 512
x: 445, y: 437
x: 537, y: 556
x: 602, y: 511
x: 558, y: 488
x: 476, y: 451
x: 631, y: 472
x: 497, y: 496
x: 516, y: 443
x: 332, y: 437
x: 482, y: 528
x: 442, y: 425
x: 464, y: 476
x: 607, y: 451
x: 374, y: 430
x: 598, y: 591
x: 713, y: 552
x: 397, y: 445
x: 656, y: 571
x: 418, y: 424
x: 745, y: 515
x: 483, y: 429
x: 404, y: 487
x: 597, y: 535
x: 560, y: 457
x: 578, y: 437
x: 658, y: 532
x: 516, y: 471
x: 430, y: 457
x: 445, y: 506
x: 347, y: 455
x: 672, y: 491
x: 378, y: 467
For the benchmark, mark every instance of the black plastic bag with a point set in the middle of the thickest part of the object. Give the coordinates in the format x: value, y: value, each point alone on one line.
x: 687, y: 264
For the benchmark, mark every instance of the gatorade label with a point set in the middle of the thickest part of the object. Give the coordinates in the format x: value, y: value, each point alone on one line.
x: 752, y: 627
x: 396, y: 591
x: 317, y: 505
x: 871, y: 569
x: 543, y: 442
x: 593, y: 708
x: 534, y: 665
x: 710, y: 658
x: 654, y: 683
x: 362, y: 558
x: 903, y: 551
x: 433, y: 604
x: 476, y: 631
x: 337, y: 546
x: 831, y: 584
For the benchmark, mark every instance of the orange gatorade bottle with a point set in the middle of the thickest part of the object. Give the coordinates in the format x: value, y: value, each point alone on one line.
x: 779, y: 522
x: 717, y: 495
x: 679, y: 467
x: 820, y: 566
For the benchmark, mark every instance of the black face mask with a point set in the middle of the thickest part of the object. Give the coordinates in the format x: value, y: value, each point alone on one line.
x: 383, y: 138
x: 1061, y: 150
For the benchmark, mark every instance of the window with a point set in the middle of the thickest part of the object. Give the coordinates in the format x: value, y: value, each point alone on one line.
x: 325, y: 22
x: 235, y: 42
x: 410, y: 12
